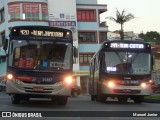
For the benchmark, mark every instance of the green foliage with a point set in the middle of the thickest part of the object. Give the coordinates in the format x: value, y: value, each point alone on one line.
x: 154, y: 97
x: 151, y: 36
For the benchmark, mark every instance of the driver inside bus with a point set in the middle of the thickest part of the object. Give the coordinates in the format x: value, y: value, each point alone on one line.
x: 26, y: 53
x: 57, y: 56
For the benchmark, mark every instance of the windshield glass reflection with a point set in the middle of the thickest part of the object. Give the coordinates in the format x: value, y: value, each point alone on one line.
x: 127, y: 63
x: 45, y: 55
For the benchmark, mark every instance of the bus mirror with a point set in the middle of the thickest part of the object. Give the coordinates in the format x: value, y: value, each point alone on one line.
x: 75, y: 52
x: 5, y: 45
x: 152, y: 60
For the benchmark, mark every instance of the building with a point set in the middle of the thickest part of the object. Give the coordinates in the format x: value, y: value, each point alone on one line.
x: 130, y: 35
x: 113, y: 36
x: 82, y: 17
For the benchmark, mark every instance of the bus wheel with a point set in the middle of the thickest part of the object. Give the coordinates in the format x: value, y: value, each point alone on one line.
x: 26, y: 98
x: 62, y: 100
x: 101, y: 98
x: 138, y: 99
x: 93, y: 97
x: 1, y: 89
x: 15, y: 99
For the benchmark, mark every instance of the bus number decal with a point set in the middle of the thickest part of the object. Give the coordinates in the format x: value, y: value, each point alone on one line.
x: 126, y: 45
x: 24, y: 32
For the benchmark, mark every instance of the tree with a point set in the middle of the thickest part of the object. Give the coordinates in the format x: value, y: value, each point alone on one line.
x: 151, y: 36
x: 121, y: 18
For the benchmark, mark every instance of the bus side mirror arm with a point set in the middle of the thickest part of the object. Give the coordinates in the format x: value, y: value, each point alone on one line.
x: 152, y: 62
x: 5, y: 45
x: 75, y: 52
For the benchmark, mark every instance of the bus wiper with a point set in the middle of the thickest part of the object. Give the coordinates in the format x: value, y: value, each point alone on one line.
x: 135, y: 57
x: 130, y: 71
x: 119, y: 57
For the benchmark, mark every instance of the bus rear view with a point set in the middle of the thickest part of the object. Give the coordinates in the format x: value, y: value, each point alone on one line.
x: 40, y: 63
x: 122, y: 70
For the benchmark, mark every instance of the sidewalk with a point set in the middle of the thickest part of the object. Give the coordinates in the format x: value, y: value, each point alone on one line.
x: 1, y: 77
x: 153, y: 100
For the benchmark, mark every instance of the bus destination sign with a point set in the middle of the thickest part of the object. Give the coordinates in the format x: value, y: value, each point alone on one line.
x: 42, y: 33
x: 127, y: 45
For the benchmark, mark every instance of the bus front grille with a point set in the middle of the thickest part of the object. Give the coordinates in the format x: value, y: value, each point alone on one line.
x: 126, y: 91
x: 38, y: 90
x: 35, y: 74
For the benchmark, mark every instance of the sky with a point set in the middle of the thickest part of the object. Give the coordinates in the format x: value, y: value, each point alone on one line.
x: 146, y: 12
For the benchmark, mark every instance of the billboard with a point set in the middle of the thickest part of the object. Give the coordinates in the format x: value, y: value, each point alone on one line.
x: 64, y: 16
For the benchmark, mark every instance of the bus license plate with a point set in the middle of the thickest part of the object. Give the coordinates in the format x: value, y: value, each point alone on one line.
x: 129, y: 82
x: 47, y: 80
x: 127, y: 91
x: 39, y: 89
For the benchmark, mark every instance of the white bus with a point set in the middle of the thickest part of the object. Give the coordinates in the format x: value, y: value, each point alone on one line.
x: 121, y: 69
x: 40, y: 63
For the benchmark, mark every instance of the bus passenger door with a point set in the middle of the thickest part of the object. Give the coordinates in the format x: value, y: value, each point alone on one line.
x: 92, y: 78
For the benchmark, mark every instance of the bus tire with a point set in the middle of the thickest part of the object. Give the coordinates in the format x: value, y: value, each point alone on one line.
x: 26, y: 98
x: 138, y: 99
x: 1, y: 89
x: 93, y: 97
x: 15, y: 99
x: 62, y: 100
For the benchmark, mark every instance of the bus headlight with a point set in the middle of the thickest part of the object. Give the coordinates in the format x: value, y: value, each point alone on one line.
x: 143, y: 85
x: 9, y: 76
x: 68, y: 80
x: 150, y: 81
x: 111, y: 84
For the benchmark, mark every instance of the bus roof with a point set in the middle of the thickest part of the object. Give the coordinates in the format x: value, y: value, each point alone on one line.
x: 41, y: 27
x: 126, y: 44
x: 126, y: 41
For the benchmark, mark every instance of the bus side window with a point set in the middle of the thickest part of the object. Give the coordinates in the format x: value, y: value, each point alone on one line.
x: 96, y: 64
x: 92, y: 68
x: 103, y: 64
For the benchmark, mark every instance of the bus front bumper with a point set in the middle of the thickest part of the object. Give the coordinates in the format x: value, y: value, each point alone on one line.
x: 127, y: 90
x: 19, y: 87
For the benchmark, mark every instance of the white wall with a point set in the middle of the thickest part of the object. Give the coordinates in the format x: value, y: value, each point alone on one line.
x: 87, y: 1
x: 1, y: 3
x: 64, y: 10
x: 26, y: 0
x: 63, y: 6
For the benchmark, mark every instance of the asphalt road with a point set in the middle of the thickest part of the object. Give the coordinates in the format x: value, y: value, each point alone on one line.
x: 78, y: 104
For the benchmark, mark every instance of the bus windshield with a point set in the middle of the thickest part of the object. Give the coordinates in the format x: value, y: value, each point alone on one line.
x: 40, y: 55
x: 127, y: 62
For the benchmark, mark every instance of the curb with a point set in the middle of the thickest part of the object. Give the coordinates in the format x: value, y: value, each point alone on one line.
x: 149, y: 100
